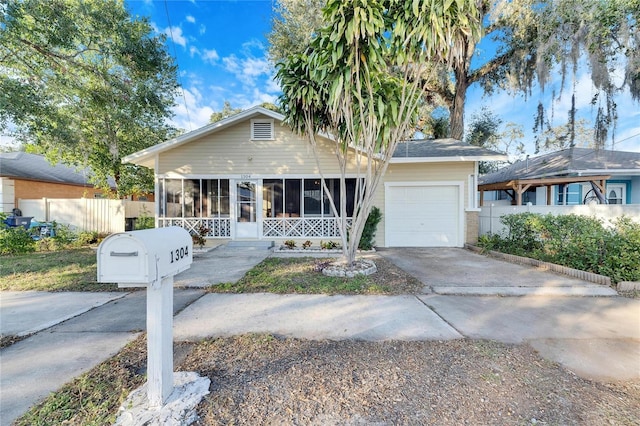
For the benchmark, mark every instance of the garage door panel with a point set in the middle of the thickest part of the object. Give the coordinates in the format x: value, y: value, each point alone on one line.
x: 423, y: 216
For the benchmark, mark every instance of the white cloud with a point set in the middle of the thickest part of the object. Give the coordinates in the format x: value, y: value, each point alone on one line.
x: 191, y: 19
x: 210, y: 55
x: 207, y: 55
x: 231, y: 63
x: 190, y: 111
x: 247, y: 70
x: 272, y: 86
x: 175, y: 34
x: 203, y: 29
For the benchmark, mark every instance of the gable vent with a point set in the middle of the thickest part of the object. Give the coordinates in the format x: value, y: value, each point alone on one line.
x: 262, y: 129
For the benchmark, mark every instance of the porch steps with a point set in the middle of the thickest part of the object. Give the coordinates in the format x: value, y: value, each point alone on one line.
x: 251, y: 244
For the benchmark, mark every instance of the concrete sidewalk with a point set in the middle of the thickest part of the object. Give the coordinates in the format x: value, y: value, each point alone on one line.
x: 597, y: 338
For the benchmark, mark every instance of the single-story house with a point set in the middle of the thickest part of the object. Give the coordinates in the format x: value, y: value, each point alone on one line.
x: 250, y: 177
x: 566, y: 177
x: 31, y: 176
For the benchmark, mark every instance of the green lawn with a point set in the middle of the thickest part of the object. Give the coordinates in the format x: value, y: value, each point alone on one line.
x: 65, y: 270
x: 303, y: 275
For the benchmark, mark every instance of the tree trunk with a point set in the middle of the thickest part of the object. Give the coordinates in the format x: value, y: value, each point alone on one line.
x: 456, y: 111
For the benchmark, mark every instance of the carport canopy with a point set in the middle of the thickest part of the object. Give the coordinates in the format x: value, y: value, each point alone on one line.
x: 516, y: 187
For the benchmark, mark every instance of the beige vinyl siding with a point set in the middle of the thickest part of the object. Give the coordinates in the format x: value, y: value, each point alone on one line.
x: 425, y: 172
x: 232, y: 152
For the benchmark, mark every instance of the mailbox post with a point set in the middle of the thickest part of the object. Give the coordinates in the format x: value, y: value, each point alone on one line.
x: 150, y: 258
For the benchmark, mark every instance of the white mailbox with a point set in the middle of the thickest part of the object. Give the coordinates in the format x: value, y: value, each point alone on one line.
x: 140, y: 258
x: 150, y: 258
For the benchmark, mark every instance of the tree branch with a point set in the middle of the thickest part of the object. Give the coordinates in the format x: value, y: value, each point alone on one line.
x: 489, y: 67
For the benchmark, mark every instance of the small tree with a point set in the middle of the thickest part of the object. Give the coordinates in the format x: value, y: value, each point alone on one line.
x: 341, y: 85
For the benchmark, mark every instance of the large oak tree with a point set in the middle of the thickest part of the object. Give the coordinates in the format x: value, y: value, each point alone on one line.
x: 84, y: 83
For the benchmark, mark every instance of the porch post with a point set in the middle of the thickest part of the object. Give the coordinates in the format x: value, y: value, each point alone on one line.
x: 549, y: 195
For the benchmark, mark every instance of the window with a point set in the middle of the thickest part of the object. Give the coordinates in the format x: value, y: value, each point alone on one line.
x: 272, y: 198
x: 262, y: 130
x: 173, y: 200
x: 304, y: 197
x: 615, y: 193
x: 292, y: 197
x: 194, y: 197
x: 216, y: 197
x: 569, y: 194
x: 312, y: 197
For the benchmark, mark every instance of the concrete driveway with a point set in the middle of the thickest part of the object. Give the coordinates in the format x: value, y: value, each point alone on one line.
x: 462, y: 272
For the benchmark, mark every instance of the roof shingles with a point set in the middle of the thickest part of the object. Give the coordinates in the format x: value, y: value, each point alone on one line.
x: 35, y: 167
x: 567, y: 162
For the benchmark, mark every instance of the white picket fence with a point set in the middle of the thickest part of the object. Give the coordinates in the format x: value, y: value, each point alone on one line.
x: 490, y: 215
x: 86, y: 214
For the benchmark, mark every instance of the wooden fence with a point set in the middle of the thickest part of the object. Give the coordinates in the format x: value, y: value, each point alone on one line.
x: 86, y: 214
x: 490, y: 215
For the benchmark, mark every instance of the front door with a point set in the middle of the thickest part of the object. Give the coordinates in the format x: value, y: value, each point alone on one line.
x: 246, y: 209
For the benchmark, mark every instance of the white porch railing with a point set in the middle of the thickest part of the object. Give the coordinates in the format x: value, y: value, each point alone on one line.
x: 218, y: 227
x: 489, y: 219
x: 298, y: 227
x: 289, y: 227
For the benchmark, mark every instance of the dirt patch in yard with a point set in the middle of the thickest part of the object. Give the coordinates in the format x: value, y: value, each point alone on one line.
x: 262, y: 379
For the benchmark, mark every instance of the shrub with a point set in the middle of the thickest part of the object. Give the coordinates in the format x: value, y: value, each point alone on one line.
x: 86, y: 238
x: 145, y: 221
x: 16, y: 241
x: 46, y: 244
x: 371, y: 225
x: 63, y: 234
x: 522, y: 232
x: 290, y: 244
x: 199, y: 236
x: 329, y: 245
x: 306, y: 244
x: 575, y: 241
x: 622, y: 246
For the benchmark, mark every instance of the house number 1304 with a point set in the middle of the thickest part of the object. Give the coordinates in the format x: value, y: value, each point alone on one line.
x: 180, y: 253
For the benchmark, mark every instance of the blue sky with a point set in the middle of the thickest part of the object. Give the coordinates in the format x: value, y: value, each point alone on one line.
x: 220, y: 48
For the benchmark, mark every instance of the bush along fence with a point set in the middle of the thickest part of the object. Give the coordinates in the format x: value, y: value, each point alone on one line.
x: 574, y: 241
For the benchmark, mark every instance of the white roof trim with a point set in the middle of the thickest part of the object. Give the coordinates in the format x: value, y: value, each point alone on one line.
x: 209, y: 128
x: 401, y: 160
x: 587, y: 172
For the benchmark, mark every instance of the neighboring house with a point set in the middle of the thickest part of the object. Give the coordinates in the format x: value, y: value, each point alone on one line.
x: 566, y: 177
x: 31, y: 176
x: 250, y: 177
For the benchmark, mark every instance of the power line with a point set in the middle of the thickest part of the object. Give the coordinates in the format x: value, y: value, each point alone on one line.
x: 626, y: 139
x: 175, y: 54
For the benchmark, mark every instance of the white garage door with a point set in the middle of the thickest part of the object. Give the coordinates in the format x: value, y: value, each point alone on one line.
x: 423, y: 216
